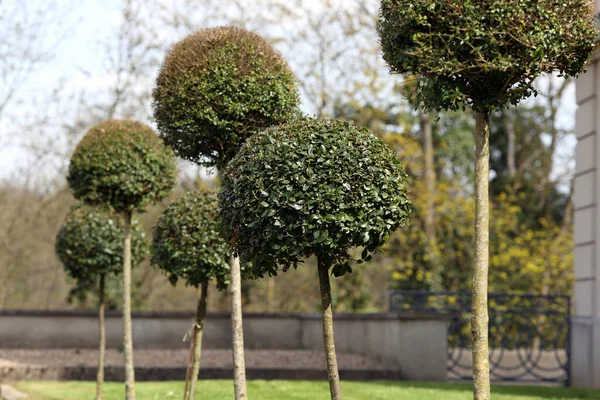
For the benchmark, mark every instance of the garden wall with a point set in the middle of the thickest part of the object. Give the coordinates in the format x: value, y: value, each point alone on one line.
x: 414, y: 345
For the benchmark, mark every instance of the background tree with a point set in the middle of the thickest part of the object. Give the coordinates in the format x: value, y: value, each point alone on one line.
x: 313, y: 187
x: 215, y: 88
x: 125, y: 166
x: 188, y: 245
x: 90, y: 246
x: 524, y: 146
x: 484, y: 55
x: 428, y: 176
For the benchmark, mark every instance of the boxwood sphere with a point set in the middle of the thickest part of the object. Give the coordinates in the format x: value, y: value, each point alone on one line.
x: 122, y: 164
x: 485, y: 53
x: 217, y: 87
x: 311, y: 187
x: 90, y: 244
x: 187, y: 243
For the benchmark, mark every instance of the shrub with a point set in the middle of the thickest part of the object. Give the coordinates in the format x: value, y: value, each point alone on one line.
x: 312, y: 187
x: 187, y: 243
x: 125, y: 166
x: 217, y: 87
x: 90, y: 244
x: 484, y: 54
x: 121, y: 164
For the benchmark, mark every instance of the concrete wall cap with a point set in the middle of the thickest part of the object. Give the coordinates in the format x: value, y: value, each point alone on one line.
x: 409, y: 316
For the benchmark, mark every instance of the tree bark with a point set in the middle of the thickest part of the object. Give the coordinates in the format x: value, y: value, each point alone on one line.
x: 239, y: 364
x: 270, y: 294
x: 102, y: 347
x: 127, y: 334
x: 188, y: 371
x: 198, y: 331
x: 511, y: 153
x: 328, y: 338
x: 433, y: 258
x: 479, y: 317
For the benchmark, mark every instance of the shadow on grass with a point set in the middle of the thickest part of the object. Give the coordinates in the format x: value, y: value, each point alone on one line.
x: 543, y: 392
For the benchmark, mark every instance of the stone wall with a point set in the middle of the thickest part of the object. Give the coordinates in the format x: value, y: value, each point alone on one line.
x: 413, y: 344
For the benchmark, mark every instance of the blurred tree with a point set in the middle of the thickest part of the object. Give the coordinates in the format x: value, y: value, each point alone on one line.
x: 90, y: 246
x: 122, y: 165
x: 524, y: 149
x: 187, y: 245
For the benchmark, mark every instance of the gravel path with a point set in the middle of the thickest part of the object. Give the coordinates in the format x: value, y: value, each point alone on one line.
x: 277, y: 359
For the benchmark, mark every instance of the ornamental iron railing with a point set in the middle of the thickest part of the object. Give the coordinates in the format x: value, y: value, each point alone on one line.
x: 529, y: 335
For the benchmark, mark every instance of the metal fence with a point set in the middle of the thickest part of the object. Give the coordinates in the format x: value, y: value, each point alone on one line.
x: 529, y: 335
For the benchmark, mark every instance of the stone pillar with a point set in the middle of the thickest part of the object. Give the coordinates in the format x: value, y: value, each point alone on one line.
x: 585, y: 334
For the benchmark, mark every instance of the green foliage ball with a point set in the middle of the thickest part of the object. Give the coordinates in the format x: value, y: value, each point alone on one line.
x: 484, y: 54
x: 121, y: 164
x: 312, y: 187
x: 90, y: 244
x: 187, y: 243
x: 216, y: 88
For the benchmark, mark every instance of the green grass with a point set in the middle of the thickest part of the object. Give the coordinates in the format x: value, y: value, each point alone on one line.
x: 299, y: 390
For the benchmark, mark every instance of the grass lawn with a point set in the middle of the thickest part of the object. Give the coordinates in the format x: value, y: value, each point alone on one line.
x: 299, y: 390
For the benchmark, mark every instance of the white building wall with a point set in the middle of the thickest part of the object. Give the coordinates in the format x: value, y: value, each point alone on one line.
x: 585, y: 335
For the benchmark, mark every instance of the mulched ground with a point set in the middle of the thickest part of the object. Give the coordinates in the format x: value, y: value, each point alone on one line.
x: 276, y: 359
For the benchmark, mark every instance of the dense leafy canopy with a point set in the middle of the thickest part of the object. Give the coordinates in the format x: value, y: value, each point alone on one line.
x: 90, y: 244
x: 486, y: 53
x: 122, y: 164
x: 312, y: 187
x: 216, y: 88
x: 187, y: 243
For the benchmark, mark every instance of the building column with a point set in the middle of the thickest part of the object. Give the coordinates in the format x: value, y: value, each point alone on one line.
x: 585, y: 334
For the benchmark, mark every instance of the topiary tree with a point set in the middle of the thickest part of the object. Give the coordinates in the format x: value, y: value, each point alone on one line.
x: 125, y: 166
x: 90, y: 246
x: 187, y: 245
x: 484, y: 55
x: 215, y: 89
x: 313, y: 187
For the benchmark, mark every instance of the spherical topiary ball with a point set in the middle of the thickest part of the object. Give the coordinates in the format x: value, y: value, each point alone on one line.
x: 187, y: 243
x: 90, y: 244
x: 312, y: 187
x: 122, y: 164
x: 486, y: 53
x: 217, y: 87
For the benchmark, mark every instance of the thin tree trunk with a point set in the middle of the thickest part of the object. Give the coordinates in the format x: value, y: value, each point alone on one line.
x: 239, y: 364
x: 479, y: 318
x: 541, y: 317
x: 102, y: 347
x: 198, y: 331
x: 511, y: 155
x: 127, y: 334
x: 428, y: 173
x: 328, y: 339
x: 188, y: 371
x: 433, y: 258
x: 270, y: 294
